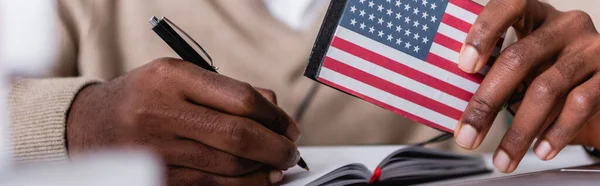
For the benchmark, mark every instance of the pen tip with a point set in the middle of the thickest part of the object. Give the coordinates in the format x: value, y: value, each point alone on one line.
x: 302, y: 164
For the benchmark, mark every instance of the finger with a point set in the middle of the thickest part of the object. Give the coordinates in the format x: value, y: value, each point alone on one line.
x: 268, y: 94
x: 507, y: 73
x: 588, y: 136
x: 191, y: 154
x: 582, y: 104
x: 540, y: 100
x: 187, y: 176
x: 233, y: 97
x: 493, y: 21
x: 236, y: 135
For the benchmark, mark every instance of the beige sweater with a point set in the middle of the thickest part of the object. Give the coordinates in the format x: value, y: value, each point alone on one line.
x: 101, y: 39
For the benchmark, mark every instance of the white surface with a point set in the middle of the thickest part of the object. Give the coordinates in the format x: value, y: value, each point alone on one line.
x: 100, y: 169
x: 322, y: 160
x: 27, y: 36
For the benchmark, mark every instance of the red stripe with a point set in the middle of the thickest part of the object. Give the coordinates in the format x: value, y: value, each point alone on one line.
x: 456, y: 23
x: 453, y: 67
x: 401, y: 69
x: 391, y: 88
x: 468, y: 5
x: 386, y: 106
x: 447, y: 42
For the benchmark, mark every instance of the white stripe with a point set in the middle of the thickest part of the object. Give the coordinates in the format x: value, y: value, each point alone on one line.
x: 461, y: 13
x: 407, y: 60
x: 396, y: 78
x: 444, y: 52
x: 388, y: 98
x: 452, y: 32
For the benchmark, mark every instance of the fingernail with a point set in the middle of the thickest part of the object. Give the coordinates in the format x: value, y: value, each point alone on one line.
x: 275, y: 176
x: 466, y: 136
x: 543, y: 149
x: 468, y: 59
x: 502, y: 161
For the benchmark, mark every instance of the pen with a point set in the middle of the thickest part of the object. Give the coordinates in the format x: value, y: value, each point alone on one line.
x: 186, y: 52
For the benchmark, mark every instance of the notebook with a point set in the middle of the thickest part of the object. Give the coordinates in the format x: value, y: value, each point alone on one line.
x: 387, y: 165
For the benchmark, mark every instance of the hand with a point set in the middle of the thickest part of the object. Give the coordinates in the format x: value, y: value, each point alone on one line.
x: 208, y: 128
x: 558, y: 53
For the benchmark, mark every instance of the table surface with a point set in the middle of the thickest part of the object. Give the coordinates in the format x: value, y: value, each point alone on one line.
x: 324, y: 159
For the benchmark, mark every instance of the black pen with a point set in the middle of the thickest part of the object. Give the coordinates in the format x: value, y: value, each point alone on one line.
x: 162, y: 28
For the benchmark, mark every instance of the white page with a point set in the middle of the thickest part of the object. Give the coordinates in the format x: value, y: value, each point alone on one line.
x: 322, y: 160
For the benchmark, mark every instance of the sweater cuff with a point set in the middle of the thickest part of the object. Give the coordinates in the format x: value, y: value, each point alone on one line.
x: 39, y: 115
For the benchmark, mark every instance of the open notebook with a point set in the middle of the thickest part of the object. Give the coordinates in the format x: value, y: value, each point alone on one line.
x: 407, y: 165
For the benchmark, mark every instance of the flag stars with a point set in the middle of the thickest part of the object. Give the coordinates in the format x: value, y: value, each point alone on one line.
x: 353, y: 22
x: 416, y: 24
x: 389, y: 12
x: 398, y: 41
x: 424, y: 3
x: 425, y: 27
x: 416, y: 11
x: 425, y: 15
x: 407, y: 45
x: 362, y: 1
x: 371, y: 30
x: 371, y: 17
x: 406, y: 19
x: 417, y: 49
x: 399, y: 28
x: 371, y: 4
x: 380, y: 21
x: 406, y: 7
x: 362, y: 13
x: 390, y: 25
x: 398, y: 15
x: 380, y: 33
x: 433, y: 6
x: 389, y: 1
x: 398, y: 3
x: 362, y: 26
x: 416, y: 37
x: 425, y: 40
x: 353, y: 9
x: 433, y: 19
x: 390, y: 37
x: 407, y: 32
x: 380, y: 8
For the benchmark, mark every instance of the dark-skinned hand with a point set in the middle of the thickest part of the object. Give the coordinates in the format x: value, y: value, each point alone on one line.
x: 558, y: 55
x: 209, y: 129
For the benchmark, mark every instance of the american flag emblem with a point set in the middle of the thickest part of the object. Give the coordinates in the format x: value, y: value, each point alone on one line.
x: 401, y: 55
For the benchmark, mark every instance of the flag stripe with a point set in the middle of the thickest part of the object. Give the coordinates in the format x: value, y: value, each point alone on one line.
x: 452, y: 32
x: 391, y: 88
x: 461, y: 13
x: 452, y: 67
x: 469, y: 5
x: 456, y: 23
x: 448, y: 42
x: 444, y: 52
x: 460, y: 79
x: 392, y: 99
x: 398, y: 73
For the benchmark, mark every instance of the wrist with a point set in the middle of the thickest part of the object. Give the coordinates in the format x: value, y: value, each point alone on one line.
x: 79, y: 108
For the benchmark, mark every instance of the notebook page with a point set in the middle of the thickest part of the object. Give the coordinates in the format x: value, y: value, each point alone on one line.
x: 323, y: 160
